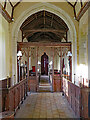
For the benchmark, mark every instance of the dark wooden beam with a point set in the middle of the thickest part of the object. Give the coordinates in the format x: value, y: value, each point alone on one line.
x: 44, y: 30
x: 81, y: 3
x: 5, y: 4
x: 26, y: 23
x: 33, y: 44
x: 12, y: 13
x: 22, y: 36
x: 5, y: 14
x: 44, y: 18
x: 13, y: 7
x: 27, y: 35
x: 75, y: 3
x: 32, y: 22
x: 83, y: 10
x: 11, y: 3
x: 44, y: 36
x: 73, y: 6
x: 70, y: 3
x: 52, y: 21
x: 74, y: 12
x: 36, y: 15
x: 66, y: 37
x: 17, y: 4
x: 61, y: 35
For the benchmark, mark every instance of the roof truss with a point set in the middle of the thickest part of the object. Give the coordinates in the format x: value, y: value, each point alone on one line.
x: 83, y: 9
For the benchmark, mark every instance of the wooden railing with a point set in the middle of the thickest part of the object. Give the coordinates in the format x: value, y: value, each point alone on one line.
x: 78, y: 98
x: 33, y: 82
x: 14, y: 96
x: 5, y: 83
x: 85, y: 102
x: 57, y: 83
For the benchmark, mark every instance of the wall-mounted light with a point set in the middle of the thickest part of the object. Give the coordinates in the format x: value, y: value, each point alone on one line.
x: 50, y: 63
x: 69, y: 53
x: 39, y: 63
x: 19, y: 54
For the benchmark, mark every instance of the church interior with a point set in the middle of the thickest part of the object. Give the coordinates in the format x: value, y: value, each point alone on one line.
x: 44, y: 59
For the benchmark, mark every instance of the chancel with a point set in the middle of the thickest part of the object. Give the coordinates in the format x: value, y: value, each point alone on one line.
x: 44, y: 59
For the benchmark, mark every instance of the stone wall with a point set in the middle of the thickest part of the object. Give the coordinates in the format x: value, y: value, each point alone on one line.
x: 5, y: 49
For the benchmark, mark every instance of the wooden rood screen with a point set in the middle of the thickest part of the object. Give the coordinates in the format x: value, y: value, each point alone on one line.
x: 28, y: 45
x: 37, y: 44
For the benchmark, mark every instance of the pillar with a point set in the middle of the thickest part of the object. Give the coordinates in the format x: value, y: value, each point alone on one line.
x: 61, y: 60
x: 37, y: 82
x: 89, y: 45
x: 70, y: 58
x: 89, y: 60
x: 53, y: 72
x: 28, y: 63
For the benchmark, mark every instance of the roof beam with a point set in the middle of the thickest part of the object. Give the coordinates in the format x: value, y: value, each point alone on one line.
x: 17, y: 3
x: 5, y: 4
x: 62, y: 36
x: 10, y: 3
x: 73, y: 6
x: 75, y: 3
x: 27, y: 35
x: 40, y: 30
x: 81, y: 3
x: 13, y: 7
x: 44, y: 30
x: 70, y: 3
x: 26, y: 23
x: 52, y: 21
x: 74, y: 12
x: 5, y: 14
x: 83, y: 10
x: 54, y: 44
x: 33, y: 22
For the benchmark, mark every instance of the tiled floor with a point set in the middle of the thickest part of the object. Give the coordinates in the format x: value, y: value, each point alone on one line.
x: 45, y: 105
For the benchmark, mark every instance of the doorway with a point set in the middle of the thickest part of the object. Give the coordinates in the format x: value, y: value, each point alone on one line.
x: 44, y: 64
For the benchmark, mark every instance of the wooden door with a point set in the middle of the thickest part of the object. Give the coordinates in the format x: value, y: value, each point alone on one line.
x: 44, y: 64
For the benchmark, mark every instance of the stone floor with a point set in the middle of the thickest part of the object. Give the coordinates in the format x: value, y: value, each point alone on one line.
x: 45, y: 105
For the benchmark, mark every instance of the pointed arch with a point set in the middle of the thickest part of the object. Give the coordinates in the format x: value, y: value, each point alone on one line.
x: 55, y: 10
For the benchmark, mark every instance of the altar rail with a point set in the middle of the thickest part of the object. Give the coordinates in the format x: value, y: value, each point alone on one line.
x: 78, y: 98
x: 13, y: 96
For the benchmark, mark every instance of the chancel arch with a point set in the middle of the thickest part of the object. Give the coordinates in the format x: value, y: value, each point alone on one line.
x: 16, y: 33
